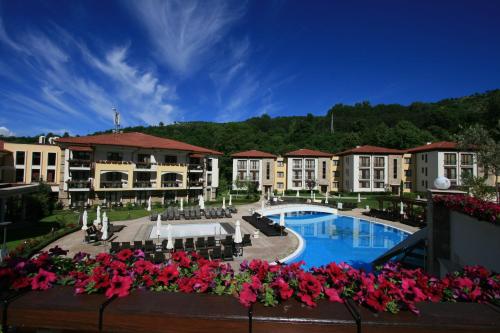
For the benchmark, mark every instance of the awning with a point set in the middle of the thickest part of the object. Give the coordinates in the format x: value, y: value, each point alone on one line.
x: 80, y: 148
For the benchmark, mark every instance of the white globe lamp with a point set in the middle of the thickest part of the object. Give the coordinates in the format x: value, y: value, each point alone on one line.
x: 442, y: 183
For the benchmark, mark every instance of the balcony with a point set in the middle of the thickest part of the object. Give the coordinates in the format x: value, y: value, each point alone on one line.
x: 78, y: 184
x: 195, y: 184
x: 143, y: 165
x: 143, y: 184
x: 82, y: 164
x: 171, y: 184
x: 113, y: 184
x: 195, y: 168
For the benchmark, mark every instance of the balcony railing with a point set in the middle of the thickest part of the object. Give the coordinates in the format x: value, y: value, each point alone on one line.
x: 143, y: 184
x: 113, y: 184
x: 195, y: 167
x: 113, y: 162
x: 143, y: 165
x: 78, y: 184
x: 75, y: 163
x: 195, y: 184
x: 171, y: 184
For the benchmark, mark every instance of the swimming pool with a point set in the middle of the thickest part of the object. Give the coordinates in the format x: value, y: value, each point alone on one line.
x: 337, y: 238
x: 189, y: 230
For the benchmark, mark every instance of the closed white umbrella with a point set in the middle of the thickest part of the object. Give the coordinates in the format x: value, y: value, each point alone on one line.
x: 97, y: 220
x: 182, y: 204
x: 311, y: 194
x: 170, y: 241
x: 230, y: 200
x: 158, y: 226
x: 237, y: 233
x: 326, y: 197
x: 84, y: 220
x: 268, y: 194
x: 262, y: 207
x: 359, y: 197
x: 401, y: 208
x: 149, y: 204
x: 298, y: 194
x: 282, y: 222
x: 223, y: 202
x: 104, y: 227
x: 201, y: 202
x: 314, y: 196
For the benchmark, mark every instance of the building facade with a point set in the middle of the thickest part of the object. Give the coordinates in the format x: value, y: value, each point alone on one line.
x: 257, y: 167
x: 308, y: 170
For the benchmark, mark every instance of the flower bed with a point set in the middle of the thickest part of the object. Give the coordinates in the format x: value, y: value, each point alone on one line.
x: 482, y: 210
x: 391, y: 288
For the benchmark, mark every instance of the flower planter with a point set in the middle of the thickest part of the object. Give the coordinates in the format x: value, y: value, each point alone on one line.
x: 474, y: 242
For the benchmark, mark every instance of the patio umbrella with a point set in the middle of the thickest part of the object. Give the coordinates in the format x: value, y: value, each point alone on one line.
x: 223, y: 202
x: 170, y: 241
x: 230, y: 200
x: 298, y: 194
x: 326, y: 197
x: 268, y: 194
x: 262, y: 207
x: 401, y: 208
x: 359, y: 197
x: 201, y: 202
x: 84, y: 220
x: 149, y: 204
x: 282, y: 221
x: 314, y: 196
x: 97, y: 220
x: 104, y: 227
x: 311, y: 194
x: 237, y: 233
x: 158, y: 226
x: 182, y: 204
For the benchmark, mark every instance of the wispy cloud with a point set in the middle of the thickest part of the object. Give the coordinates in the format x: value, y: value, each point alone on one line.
x: 4, y: 131
x: 184, y: 32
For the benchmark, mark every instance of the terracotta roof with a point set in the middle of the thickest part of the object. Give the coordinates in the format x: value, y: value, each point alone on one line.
x: 442, y: 145
x: 308, y: 152
x: 80, y: 148
x: 136, y: 139
x: 253, y: 153
x: 371, y: 150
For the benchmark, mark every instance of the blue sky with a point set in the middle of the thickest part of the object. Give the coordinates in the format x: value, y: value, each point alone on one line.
x: 65, y: 64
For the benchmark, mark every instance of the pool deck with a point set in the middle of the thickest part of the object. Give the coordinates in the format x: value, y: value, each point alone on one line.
x: 266, y: 248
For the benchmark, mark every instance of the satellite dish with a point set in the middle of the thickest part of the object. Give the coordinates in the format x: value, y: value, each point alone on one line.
x: 442, y: 183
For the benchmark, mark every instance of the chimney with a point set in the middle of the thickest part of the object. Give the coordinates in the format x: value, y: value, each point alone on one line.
x: 41, y: 139
x: 51, y: 141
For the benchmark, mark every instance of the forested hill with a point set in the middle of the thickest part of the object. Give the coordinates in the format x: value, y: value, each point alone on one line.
x: 392, y: 125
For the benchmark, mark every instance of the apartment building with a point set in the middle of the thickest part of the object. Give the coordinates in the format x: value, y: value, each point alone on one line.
x: 30, y: 163
x: 371, y: 169
x: 336, y: 176
x: 280, y: 175
x: 131, y: 167
x: 443, y: 158
x: 309, y: 170
x: 258, y: 167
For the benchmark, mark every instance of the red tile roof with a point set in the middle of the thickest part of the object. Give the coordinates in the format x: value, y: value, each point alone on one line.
x: 371, y: 150
x: 308, y: 152
x: 253, y: 154
x: 136, y: 139
x: 442, y: 145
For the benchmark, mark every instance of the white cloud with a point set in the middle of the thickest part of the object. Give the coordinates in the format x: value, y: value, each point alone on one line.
x: 4, y: 131
x: 185, y: 32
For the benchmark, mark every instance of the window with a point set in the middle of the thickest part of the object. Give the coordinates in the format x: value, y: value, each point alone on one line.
x: 309, y: 175
x: 450, y: 159
x: 241, y: 175
x: 280, y: 164
x: 36, y: 158
x: 335, y: 184
x: 426, y: 184
x: 395, y: 169
x: 335, y: 162
x: 81, y: 155
x: 336, y: 174
x: 20, y: 157
x: 297, y: 164
x: 407, y: 160
x: 324, y: 170
x: 379, y: 162
x: 408, y: 185
x: 242, y: 165
x: 19, y: 175
x: 467, y: 159
x: 297, y: 184
x: 450, y: 173
x: 254, y: 165
x: 309, y: 164
x: 379, y: 174
x: 466, y: 172
x: 297, y: 174
x: 423, y: 170
x: 423, y: 183
x: 364, y: 174
x: 280, y: 185
x: 143, y: 158
x: 425, y: 158
x: 364, y: 184
x: 254, y: 175
x: 170, y: 159
x: 209, y: 179
x: 268, y: 170
x: 51, y: 176
x: 114, y: 156
x: 35, y: 175
x: 364, y: 162
x: 51, y: 159
x: 379, y: 185
x: 407, y: 173
x: 281, y: 174
x: 426, y: 172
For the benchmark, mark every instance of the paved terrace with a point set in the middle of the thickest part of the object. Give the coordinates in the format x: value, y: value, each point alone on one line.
x: 267, y: 248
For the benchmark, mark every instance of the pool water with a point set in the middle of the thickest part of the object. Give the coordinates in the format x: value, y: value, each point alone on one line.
x: 333, y: 238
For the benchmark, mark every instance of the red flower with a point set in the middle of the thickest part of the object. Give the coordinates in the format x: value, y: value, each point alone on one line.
x: 124, y: 254
x: 142, y: 266
x: 333, y: 295
x: 377, y: 300
x: 247, y: 295
x: 120, y: 286
x: 284, y: 289
x: 21, y: 283
x: 43, y: 280
x: 100, y: 277
x: 168, y: 274
x: 181, y: 258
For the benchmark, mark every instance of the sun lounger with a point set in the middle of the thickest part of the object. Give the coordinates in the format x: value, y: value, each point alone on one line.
x: 164, y: 245
x: 228, y: 241
x: 211, y: 242
x: 125, y: 245
x: 216, y: 253
x: 178, y: 244
x: 200, y: 243
x: 189, y: 244
x: 177, y: 214
x: 227, y: 254
x: 138, y: 245
x: 153, y: 217
x: 158, y: 257
x: 149, y: 246
x: 164, y: 216
x: 247, y: 240
x: 198, y: 213
x: 204, y: 253
x: 115, y: 247
x: 227, y: 213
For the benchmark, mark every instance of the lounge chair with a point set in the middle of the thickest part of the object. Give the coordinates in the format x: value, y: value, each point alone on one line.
x: 204, y: 253
x: 115, y: 247
x: 164, y: 216
x: 125, y: 245
x: 149, y: 246
x: 200, y: 243
x: 158, y: 257
x: 207, y: 213
x: 164, y: 245
x: 228, y: 241
x: 187, y: 214
x: 246, y: 240
x: 153, y: 217
x: 227, y: 212
x: 178, y: 244
x: 227, y: 254
x: 189, y: 244
x: 138, y: 245
x: 220, y: 213
x: 216, y: 253
x: 211, y: 242
x: 198, y: 213
x: 177, y: 214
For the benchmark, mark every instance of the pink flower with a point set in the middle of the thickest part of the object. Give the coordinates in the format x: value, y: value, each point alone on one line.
x: 43, y: 280
x: 333, y: 295
x: 120, y: 286
x: 247, y: 295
